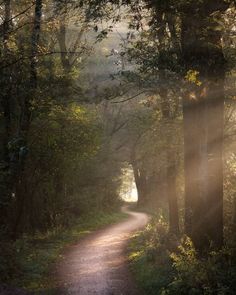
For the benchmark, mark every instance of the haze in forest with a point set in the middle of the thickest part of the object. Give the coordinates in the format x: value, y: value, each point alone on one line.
x: 118, y: 114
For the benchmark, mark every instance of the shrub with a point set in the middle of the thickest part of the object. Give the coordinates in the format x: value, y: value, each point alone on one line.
x: 164, y: 264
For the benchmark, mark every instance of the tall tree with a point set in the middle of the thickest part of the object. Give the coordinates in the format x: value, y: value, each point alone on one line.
x: 5, y: 117
x: 203, y: 122
x: 33, y: 81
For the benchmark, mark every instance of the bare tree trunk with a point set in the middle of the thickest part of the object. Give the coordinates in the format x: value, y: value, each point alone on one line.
x: 143, y: 186
x: 5, y: 120
x: 61, y: 36
x: 234, y: 212
x: 172, y: 194
x: 140, y: 181
x: 196, y: 168
x: 203, y: 134
x: 26, y: 112
x: 171, y: 164
x: 215, y: 165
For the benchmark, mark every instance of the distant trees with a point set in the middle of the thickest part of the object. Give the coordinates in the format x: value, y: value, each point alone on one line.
x: 154, y: 71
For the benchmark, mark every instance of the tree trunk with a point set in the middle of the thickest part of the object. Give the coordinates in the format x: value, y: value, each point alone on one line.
x: 5, y: 123
x: 215, y: 165
x: 26, y: 112
x: 140, y: 181
x: 195, y: 164
x: 203, y: 108
x: 172, y: 194
x: 61, y: 36
x: 170, y: 162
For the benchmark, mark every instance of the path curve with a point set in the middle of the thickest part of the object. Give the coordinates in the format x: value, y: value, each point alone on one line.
x: 97, y: 264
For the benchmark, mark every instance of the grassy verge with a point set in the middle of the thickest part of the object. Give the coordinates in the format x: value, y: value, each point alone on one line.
x: 152, y: 271
x: 164, y: 264
x: 27, y: 263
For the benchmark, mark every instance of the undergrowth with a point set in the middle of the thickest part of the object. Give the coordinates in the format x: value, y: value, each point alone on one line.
x: 27, y: 262
x: 164, y: 264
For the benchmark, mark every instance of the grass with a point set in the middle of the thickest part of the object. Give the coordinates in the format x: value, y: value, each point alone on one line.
x: 164, y: 264
x: 151, y: 272
x: 31, y: 259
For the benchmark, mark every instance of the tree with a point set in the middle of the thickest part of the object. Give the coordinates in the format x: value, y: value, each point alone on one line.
x: 195, y: 53
x: 5, y: 117
x: 203, y: 123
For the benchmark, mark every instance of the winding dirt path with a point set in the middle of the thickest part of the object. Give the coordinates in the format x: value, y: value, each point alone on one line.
x: 97, y: 265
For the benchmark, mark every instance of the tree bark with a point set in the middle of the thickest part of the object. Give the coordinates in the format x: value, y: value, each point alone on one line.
x: 26, y: 110
x: 170, y: 162
x: 195, y: 164
x: 33, y: 82
x: 61, y: 36
x: 141, y: 185
x: 172, y: 194
x: 5, y: 120
x: 203, y: 108
x: 215, y: 165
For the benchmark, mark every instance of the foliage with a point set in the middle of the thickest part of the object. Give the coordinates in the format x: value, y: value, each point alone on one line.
x: 214, y: 274
x: 150, y: 257
x: 164, y: 264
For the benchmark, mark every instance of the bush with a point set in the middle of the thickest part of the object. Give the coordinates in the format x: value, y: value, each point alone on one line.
x: 213, y: 274
x: 164, y: 264
x: 150, y: 257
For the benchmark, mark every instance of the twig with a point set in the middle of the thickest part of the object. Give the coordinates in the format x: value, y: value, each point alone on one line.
x: 129, y: 98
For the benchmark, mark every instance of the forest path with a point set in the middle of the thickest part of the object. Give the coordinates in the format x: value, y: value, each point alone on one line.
x: 98, y: 265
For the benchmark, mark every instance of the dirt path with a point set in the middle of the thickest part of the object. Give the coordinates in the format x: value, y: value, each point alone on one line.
x: 97, y: 265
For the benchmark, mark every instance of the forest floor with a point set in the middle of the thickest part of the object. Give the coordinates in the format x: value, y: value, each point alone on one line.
x: 97, y: 264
